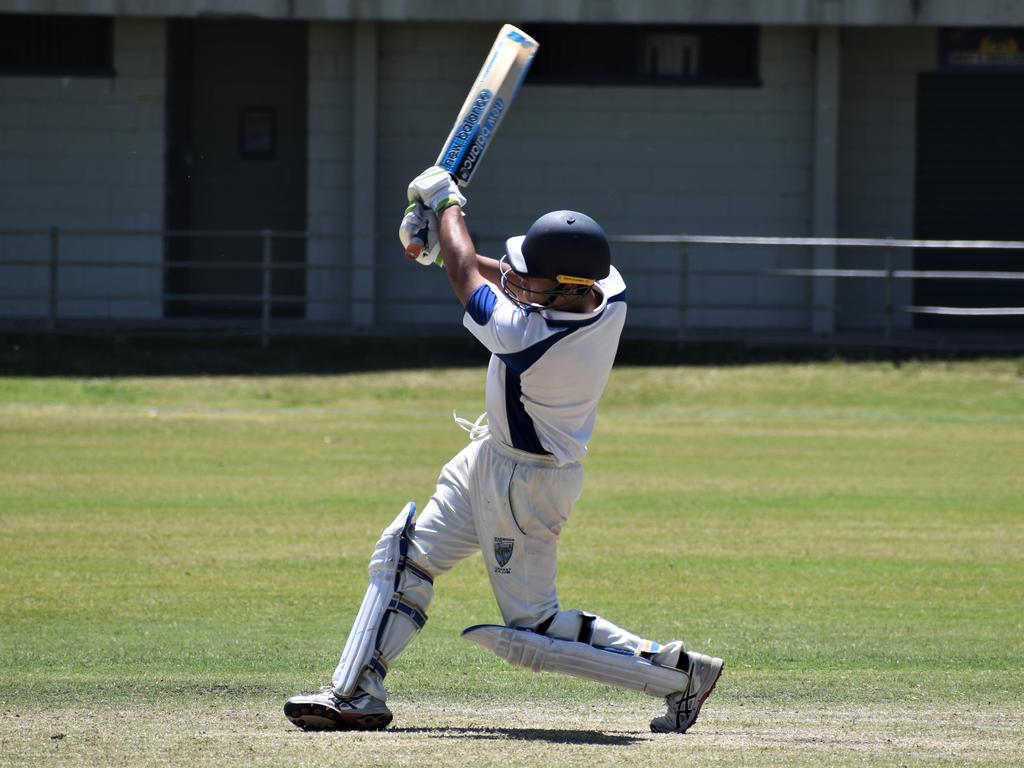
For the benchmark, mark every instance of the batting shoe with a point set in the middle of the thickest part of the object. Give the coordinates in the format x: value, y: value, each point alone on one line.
x: 325, y: 711
x: 683, y: 707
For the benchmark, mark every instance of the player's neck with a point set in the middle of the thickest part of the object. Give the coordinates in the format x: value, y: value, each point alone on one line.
x: 579, y: 305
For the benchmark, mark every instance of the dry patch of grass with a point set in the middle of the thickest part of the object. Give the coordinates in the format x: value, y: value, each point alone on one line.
x: 218, y: 731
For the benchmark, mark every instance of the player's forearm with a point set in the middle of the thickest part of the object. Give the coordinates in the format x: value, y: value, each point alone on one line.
x: 460, y: 257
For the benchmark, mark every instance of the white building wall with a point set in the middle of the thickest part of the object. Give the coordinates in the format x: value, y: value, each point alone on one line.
x: 329, y: 201
x: 86, y: 153
x: 877, y: 134
x: 638, y: 159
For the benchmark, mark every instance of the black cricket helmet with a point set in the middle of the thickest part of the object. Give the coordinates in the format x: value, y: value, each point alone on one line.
x: 565, y: 246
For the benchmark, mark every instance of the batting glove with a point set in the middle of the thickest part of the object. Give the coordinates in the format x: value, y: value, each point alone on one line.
x: 419, y: 227
x: 436, y: 189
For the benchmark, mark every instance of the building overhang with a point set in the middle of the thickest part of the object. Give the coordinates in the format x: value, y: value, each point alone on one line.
x: 904, y: 13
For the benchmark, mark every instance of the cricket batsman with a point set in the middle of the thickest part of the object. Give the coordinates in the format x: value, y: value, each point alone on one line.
x: 550, y: 311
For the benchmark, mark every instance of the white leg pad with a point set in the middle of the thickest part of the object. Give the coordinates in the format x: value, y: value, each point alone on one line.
x: 525, y: 648
x: 386, y: 567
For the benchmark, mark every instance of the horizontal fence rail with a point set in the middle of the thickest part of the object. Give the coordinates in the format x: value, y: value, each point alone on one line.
x: 52, y: 262
x: 866, y: 242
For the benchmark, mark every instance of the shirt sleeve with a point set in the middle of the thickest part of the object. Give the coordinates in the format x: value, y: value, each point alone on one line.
x: 498, y: 324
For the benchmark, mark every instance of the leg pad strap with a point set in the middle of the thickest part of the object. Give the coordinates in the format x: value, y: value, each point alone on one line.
x: 412, y: 612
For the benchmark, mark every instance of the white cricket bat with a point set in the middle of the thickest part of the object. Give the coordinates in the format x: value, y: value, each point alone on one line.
x: 488, y: 101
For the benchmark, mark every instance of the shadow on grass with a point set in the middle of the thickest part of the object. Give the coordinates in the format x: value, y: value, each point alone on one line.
x: 550, y: 735
x: 125, y: 355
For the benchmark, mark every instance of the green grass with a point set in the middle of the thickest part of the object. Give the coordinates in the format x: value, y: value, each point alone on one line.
x: 178, y: 555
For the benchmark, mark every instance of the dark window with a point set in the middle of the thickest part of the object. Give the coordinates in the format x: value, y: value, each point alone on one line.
x: 56, y: 45
x: 610, y: 54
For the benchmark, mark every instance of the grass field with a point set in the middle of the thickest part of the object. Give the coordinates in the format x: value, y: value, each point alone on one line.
x: 179, y: 555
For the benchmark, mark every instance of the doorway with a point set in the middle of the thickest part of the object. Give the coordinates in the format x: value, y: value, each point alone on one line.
x: 236, y: 160
x: 970, y: 162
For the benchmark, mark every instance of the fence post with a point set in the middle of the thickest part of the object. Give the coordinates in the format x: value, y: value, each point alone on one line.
x: 684, y: 286
x: 54, y: 276
x: 268, y: 253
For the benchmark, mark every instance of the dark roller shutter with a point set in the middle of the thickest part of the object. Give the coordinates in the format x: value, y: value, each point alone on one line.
x: 970, y: 186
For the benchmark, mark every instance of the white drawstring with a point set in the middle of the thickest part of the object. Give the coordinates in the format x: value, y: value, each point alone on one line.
x: 477, y: 430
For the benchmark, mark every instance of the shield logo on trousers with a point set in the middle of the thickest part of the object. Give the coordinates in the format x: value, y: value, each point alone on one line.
x: 503, y: 550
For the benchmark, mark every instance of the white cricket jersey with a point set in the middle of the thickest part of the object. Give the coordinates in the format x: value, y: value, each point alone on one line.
x: 548, y: 368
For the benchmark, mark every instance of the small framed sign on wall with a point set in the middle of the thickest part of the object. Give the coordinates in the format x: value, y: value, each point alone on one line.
x: 257, y: 138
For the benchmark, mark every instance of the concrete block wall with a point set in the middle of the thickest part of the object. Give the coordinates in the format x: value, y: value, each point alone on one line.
x: 878, y: 85
x: 638, y: 159
x: 86, y: 153
x: 329, y: 201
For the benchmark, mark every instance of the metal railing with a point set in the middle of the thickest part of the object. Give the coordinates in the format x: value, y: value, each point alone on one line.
x: 683, y: 271
x: 889, y: 274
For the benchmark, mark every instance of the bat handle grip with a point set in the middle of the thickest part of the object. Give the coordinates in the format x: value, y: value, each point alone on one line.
x: 416, y: 244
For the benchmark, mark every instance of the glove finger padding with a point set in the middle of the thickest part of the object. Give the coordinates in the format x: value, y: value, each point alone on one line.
x: 436, y: 189
x: 420, y: 224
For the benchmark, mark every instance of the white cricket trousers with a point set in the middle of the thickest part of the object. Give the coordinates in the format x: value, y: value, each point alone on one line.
x: 511, y: 506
